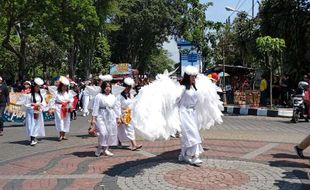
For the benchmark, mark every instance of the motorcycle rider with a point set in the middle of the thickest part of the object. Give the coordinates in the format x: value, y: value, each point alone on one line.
x: 306, y: 142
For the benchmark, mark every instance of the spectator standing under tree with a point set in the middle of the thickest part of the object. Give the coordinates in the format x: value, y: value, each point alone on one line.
x: 263, y: 91
x: 4, y: 101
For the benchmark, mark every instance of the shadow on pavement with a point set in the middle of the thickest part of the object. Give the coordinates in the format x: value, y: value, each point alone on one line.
x: 287, y: 164
x: 84, y: 154
x: 23, y: 142
x: 50, y: 138
x: 284, y: 155
x: 86, y: 136
x: 292, y: 175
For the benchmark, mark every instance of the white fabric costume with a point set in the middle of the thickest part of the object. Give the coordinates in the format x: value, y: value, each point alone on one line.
x: 34, y: 127
x: 190, y: 139
x: 85, y: 100
x: 62, y: 124
x: 165, y: 107
x: 125, y: 132
x: 106, y: 109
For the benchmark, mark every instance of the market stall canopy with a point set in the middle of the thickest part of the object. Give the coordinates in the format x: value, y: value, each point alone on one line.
x: 231, y: 69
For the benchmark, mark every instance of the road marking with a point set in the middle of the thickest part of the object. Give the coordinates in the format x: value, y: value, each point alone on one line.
x: 259, y: 151
x: 70, y: 176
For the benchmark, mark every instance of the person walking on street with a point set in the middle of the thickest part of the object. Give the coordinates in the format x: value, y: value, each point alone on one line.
x: 306, y: 142
x: 4, y: 101
x: 63, y: 103
x: 106, y: 118
x: 126, y: 131
x: 34, y: 116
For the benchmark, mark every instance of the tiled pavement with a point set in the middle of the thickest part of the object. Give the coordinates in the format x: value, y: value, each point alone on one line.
x: 245, y: 152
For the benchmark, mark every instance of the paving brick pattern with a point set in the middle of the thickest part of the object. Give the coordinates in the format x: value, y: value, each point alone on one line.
x: 271, y: 162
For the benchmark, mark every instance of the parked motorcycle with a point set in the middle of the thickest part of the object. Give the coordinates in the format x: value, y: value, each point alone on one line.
x: 298, y: 103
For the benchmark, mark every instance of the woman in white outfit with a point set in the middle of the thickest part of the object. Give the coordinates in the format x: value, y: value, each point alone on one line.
x: 106, y: 118
x: 126, y: 131
x: 190, y: 140
x: 63, y: 103
x: 34, y: 117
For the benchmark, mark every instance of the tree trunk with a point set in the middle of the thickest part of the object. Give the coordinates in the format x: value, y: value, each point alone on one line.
x: 271, y: 76
x: 72, y: 61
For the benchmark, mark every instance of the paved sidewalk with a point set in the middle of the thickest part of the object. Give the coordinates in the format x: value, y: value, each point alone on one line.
x: 245, y: 152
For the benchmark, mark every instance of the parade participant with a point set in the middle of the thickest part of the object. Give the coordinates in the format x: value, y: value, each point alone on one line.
x: 85, y: 100
x: 34, y: 116
x: 26, y: 87
x: 75, y: 88
x: 106, y: 117
x: 4, y: 101
x: 190, y: 140
x: 164, y: 107
x: 63, y: 103
x: 126, y: 131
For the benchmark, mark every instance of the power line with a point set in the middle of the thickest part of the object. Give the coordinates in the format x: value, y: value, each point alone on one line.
x: 241, y: 5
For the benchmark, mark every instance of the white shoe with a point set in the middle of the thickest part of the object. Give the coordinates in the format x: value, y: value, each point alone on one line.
x: 108, y: 153
x: 33, y: 143
x: 87, y: 113
x: 187, y: 159
x: 196, y: 161
x: 84, y: 114
x: 98, y: 151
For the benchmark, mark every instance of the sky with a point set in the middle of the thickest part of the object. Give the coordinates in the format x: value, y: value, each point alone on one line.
x: 216, y: 13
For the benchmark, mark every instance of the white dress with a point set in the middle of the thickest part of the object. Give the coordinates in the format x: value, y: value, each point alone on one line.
x: 62, y: 124
x: 85, y: 101
x: 34, y: 127
x: 125, y: 132
x: 190, y: 140
x: 106, y: 109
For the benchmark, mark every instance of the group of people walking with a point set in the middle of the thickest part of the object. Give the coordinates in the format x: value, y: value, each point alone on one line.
x: 112, y: 115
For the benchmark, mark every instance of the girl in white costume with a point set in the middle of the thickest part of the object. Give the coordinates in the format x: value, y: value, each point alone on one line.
x: 190, y: 140
x: 164, y: 107
x: 34, y: 118
x: 63, y: 103
x: 126, y: 131
x: 106, y: 117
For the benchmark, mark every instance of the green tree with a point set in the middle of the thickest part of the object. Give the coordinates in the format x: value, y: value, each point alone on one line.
x: 19, y: 20
x: 144, y: 26
x: 272, y: 49
x: 289, y: 19
x: 159, y: 62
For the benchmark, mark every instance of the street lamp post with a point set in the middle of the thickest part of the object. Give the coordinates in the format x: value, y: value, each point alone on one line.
x: 235, y: 10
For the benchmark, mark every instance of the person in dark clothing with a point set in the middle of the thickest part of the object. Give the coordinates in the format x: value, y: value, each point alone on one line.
x: 4, y: 100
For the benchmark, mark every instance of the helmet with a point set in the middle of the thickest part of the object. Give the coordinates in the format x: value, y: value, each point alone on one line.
x: 303, y: 85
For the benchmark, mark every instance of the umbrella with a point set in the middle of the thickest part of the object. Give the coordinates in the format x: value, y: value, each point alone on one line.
x: 221, y: 74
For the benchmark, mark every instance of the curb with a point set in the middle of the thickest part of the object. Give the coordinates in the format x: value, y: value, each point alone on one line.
x: 257, y: 111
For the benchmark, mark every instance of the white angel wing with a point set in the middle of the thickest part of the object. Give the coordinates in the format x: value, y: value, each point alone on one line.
x: 117, y: 89
x: 155, y: 112
x: 209, y: 105
x: 92, y: 90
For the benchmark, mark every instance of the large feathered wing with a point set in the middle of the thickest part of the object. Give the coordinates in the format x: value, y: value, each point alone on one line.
x: 154, y: 110
x: 209, y: 106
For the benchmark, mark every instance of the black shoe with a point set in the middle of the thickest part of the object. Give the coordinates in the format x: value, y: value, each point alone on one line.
x: 299, y: 152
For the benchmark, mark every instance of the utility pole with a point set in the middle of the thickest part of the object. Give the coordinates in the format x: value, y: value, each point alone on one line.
x: 252, y: 8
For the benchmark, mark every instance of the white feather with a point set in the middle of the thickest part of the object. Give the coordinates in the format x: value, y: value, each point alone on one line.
x: 155, y: 112
x: 209, y: 105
